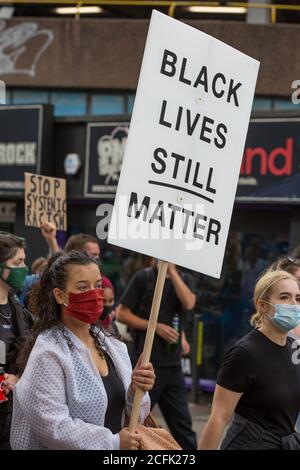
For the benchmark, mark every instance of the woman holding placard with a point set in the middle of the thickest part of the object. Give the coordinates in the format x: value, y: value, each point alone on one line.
x: 78, y: 384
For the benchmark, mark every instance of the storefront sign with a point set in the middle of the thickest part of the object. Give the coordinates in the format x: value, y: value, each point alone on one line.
x: 105, y: 147
x: 25, y: 145
x: 270, y: 169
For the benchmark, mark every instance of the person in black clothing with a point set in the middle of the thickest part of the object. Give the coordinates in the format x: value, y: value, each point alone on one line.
x: 169, y: 390
x: 14, y: 321
x: 259, y: 380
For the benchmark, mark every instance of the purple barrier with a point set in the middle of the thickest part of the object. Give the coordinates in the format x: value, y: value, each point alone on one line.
x: 205, y: 385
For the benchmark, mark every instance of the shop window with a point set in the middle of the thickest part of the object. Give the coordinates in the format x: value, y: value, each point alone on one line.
x: 107, y: 104
x: 261, y: 104
x: 69, y: 103
x: 28, y: 97
x: 8, y: 97
x: 130, y: 103
x: 284, y: 104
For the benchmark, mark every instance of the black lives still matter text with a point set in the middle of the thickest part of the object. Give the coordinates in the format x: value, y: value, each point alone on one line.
x: 182, y: 172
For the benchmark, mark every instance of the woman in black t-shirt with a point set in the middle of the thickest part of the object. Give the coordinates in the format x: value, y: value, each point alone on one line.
x: 259, y: 380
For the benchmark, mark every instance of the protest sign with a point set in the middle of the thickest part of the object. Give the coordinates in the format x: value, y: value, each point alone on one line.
x: 184, y: 151
x: 185, y: 146
x: 45, y: 201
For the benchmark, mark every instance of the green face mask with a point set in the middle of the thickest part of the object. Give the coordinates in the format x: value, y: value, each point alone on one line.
x: 16, y: 276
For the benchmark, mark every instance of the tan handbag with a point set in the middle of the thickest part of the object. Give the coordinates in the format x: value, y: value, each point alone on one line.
x: 154, y: 437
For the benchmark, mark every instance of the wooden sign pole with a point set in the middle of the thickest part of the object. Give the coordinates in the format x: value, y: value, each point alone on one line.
x: 162, y: 271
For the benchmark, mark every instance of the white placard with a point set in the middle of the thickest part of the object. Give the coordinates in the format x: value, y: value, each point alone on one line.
x: 185, y: 146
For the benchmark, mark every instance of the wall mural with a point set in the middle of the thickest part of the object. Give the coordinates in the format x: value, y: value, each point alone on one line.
x: 21, y: 47
x: 111, y: 150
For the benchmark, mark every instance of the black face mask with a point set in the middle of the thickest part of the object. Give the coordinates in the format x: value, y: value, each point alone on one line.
x: 107, y: 309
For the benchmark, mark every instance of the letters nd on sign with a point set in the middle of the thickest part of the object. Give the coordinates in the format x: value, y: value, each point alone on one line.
x: 185, y: 146
x: 45, y: 200
x: 270, y: 167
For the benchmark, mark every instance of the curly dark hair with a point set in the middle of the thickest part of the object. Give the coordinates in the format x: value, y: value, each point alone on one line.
x: 48, y: 312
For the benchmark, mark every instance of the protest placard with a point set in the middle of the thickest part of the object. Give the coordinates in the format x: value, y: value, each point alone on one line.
x: 45, y: 201
x: 184, y: 151
x: 185, y: 146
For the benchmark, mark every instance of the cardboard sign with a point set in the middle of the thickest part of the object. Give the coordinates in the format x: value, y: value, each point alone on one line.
x: 45, y: 201
x: 185, y: 146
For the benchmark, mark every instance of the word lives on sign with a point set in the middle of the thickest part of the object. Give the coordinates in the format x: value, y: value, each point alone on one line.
x: 45, y: 201
x: 185, y: 146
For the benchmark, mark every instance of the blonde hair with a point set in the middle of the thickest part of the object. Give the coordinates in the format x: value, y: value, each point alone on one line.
x: 263, y: 290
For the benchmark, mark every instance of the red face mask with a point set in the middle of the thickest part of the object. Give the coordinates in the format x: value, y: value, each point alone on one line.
x: 86, y: 306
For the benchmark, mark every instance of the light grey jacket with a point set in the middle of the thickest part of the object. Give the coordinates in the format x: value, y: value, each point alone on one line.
x: 60, y: 401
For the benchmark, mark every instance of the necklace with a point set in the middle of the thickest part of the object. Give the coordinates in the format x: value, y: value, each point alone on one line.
x: 7, y: 317
x: 99, y: 349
